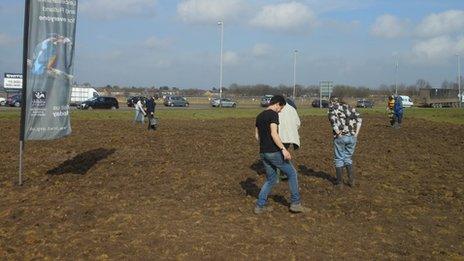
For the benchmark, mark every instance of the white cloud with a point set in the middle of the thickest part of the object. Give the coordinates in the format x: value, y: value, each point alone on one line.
x: 231, y: 58
x: 389, y: 26
x: 117, y: 9
x: 290, y: 16
x: 260, y: 50
x: 441, y: 23
x: 154, y: 42
x: 438, y: 49
x: 6, y: 40
x: 210, y: 11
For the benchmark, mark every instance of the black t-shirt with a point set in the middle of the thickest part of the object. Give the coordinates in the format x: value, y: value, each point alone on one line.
x: 263, y: 123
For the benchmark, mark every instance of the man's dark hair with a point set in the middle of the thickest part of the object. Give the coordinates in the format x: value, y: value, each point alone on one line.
x: 277, y: 99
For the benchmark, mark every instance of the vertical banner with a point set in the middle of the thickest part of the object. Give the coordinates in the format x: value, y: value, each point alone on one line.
x: 50, y: 53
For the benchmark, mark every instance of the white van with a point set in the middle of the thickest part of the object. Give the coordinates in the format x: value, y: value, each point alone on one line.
x: 407, y: 102
x: 81, y: 94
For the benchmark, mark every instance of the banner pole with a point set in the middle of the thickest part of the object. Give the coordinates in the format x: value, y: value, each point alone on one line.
x: 24, y: 88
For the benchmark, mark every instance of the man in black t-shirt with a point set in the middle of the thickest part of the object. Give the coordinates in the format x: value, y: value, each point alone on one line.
x: 275, y: 156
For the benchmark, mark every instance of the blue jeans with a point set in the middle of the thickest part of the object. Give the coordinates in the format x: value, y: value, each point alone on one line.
x: 343, y: 150
x: 399, y: 118
x: 272, y: 162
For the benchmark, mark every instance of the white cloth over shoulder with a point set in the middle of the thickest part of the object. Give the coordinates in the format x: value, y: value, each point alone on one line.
x: 289, y: 123
x: 139, y: 107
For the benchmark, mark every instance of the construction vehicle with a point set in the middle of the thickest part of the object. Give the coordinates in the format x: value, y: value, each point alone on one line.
x: 438, y: 98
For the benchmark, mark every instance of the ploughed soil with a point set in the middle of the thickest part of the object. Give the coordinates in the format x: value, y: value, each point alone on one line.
x: 113, y: 190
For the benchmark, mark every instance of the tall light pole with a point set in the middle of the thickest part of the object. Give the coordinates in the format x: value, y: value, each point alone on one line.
x: 294, y: 74
x: 396, y: 74
x: 221, y: 23
x: 459, y: 80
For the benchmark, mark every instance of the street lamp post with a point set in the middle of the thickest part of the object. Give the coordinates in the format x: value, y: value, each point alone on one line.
x: 294, y: 74
x: 459, y: 80
x: 221, y: 23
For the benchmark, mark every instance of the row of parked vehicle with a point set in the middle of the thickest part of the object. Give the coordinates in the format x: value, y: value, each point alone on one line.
x: 179, y: 101
x: 104, y: 102
x: 12, y: 101
x: 171, y: 101
x: 361, y: 103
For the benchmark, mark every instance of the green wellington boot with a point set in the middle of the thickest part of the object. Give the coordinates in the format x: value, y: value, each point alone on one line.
x: 351, y: 180
x: 339, y: 172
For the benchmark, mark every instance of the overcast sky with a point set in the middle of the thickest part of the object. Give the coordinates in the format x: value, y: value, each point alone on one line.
x: 177, y: 43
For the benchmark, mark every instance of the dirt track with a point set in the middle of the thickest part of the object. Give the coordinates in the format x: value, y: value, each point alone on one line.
x: 116, y: 191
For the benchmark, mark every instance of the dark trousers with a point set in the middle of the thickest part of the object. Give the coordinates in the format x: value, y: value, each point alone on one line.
x: 151, y: 119
x: 399, y: 118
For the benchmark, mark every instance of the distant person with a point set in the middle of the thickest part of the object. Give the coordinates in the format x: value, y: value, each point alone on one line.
x: 139, y: 112
x: 398, y: 112
x: 390, y: 109
x: 274, y: 156
x: 346, y: 124
x: 151, y: 104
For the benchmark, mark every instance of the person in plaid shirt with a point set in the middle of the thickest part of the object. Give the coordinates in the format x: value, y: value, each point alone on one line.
x: 346, y: 124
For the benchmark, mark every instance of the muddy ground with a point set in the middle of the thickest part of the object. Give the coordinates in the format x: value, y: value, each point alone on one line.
x: 187, y: 191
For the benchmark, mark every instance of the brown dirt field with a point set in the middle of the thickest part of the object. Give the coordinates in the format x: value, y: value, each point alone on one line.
x: 187, y: 191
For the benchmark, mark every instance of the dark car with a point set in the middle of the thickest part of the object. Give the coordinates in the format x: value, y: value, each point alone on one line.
x: 317, y: 104
x: 364, y: 103
x: 15, y: 100
x: 131, y: 101
x: 176, y: 101
x: 100, y: 102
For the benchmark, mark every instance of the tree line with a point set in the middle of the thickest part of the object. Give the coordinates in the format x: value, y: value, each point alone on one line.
x: 339, y: 90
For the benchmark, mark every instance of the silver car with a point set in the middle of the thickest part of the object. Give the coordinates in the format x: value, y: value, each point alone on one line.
x: 224, y: 102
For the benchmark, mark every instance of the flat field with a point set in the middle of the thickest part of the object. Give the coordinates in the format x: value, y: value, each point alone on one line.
x: 113, y: 190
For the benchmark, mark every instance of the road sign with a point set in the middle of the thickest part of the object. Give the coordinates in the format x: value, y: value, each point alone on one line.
x: 13, y: 81
x: 326, y: 88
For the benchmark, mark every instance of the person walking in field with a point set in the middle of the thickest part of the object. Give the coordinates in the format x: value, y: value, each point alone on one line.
x: 398, y: 112
x: 390, y: 109
x: 139, y: 112
x: 151, y: 104
x: 289, y: 123
x: 275, y: 156
x: 346, y: 124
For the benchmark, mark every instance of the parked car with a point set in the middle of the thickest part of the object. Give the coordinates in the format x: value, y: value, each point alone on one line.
x: 100, y: 102
x: 363, y: 103
x: 224, y: 103
x: 316, y: 103
x: 2, y: 101
x: 131, y: 101
x: 14, y: 100
x: 81, y: 94
x: 407, y: 102
x: 176, y: 101
x: 265, y: 100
